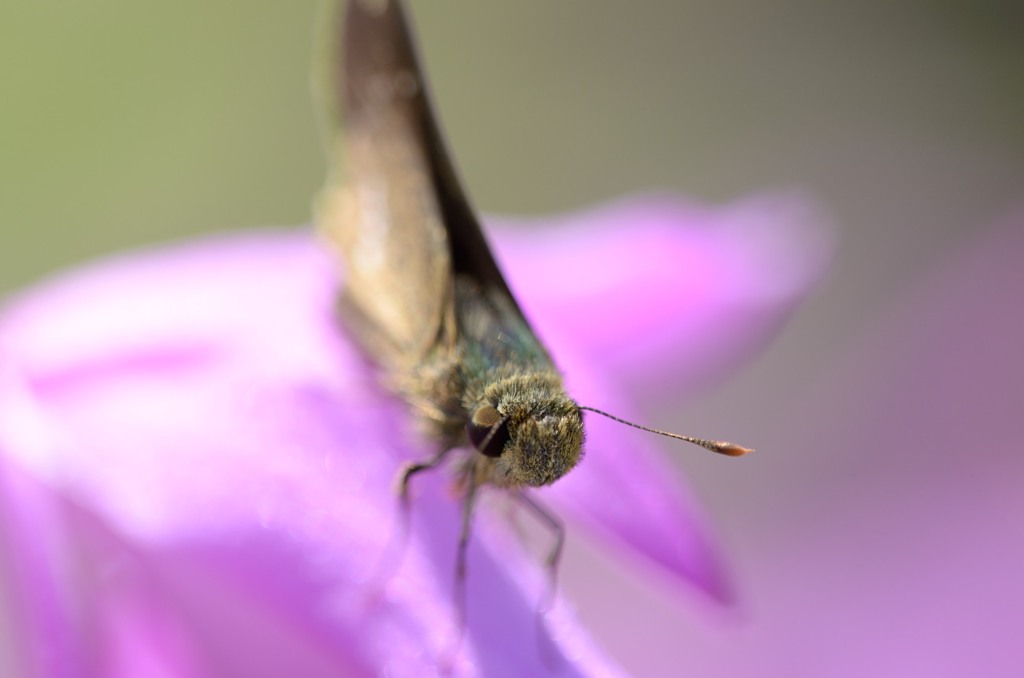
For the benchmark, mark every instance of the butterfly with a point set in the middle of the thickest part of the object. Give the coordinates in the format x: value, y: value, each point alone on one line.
x: 424, y: 297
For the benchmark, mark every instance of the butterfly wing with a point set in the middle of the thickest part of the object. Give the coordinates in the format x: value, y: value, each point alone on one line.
x: 393, y: 205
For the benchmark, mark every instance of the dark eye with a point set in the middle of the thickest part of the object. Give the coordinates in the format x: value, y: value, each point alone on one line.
x: 485, y: 421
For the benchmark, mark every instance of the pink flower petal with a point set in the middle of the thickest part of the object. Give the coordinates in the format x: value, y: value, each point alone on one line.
x: 631, y: 498
x: 893, y: 544
x: 689, y: 292
x: 227, y: 439
x: 213, y: 460
x: 38, y: 622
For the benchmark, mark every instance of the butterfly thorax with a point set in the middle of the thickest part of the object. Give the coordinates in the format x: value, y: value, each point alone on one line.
x: 497, y: 366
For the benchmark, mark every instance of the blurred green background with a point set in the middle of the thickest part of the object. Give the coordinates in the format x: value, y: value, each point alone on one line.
x: 125, y: 124
x: 129, y: 123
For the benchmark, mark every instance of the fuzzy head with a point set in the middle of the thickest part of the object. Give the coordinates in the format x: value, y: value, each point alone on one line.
x: 530, y: 429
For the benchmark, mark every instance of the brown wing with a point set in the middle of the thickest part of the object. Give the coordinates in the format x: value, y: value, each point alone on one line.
x: 393, y: 205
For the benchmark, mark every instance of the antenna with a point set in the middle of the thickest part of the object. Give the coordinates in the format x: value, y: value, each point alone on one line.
x: 721, y: 447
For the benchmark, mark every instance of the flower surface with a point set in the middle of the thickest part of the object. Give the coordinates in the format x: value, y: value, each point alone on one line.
x: 196, y: 465
x: 885, y: 540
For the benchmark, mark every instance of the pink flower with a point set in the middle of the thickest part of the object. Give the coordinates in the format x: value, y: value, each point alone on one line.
x: 196, y: 466
x: 888, y: 541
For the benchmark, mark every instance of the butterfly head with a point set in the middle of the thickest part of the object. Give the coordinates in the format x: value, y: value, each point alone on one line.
x: 530, y: 430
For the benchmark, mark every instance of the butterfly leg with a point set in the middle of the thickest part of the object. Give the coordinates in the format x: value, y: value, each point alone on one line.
x: 553, y: 523
x: 405, y: 474
x: 410, y: 469
x: 460, y: 562
x: 391, y: 558
x: 550, y: 655
x: 448, y: 657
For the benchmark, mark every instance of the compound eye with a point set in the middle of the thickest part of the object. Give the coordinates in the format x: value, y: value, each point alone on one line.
x: 488, y: 431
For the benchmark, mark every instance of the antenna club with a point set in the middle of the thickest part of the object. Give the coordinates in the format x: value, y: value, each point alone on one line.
x: 732, y: 449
